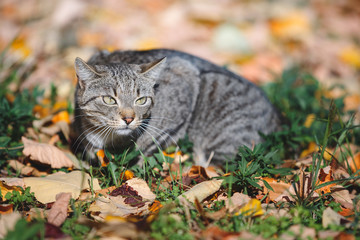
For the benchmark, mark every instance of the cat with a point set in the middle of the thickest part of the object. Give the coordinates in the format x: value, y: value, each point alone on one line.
x: 153, y: 98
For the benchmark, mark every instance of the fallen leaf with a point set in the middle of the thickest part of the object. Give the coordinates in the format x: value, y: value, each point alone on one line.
x: 7, y: 222
x: 292, y: 26
x: 324, y: 178
x: 278, y: 186
x: 6, y: 208
x: 61, y: 116
x: 46, y: 153
x: 13, y: 182
x: 236, y: 201
x: 354, y: 163
x: 5, y: 189
x: 215, y: 232
x: 351, y: 56
x: 58, y: 212
x: 25, y: 170
x: 252, y: 208
x: 330, y: 217
x: 201, y: 191
x: 134, y: 197
x: 342, y: 196
x: 46, y: 188
x: 352, y: 102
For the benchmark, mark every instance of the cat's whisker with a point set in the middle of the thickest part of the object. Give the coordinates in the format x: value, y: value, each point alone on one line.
x: 94, y: 139
x: 154, y: 139
x: 87, y: 132
x: 158, y: 135
x: 161, y: 132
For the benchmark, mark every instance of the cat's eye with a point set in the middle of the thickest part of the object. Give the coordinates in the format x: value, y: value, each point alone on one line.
x: 109, y: 100
x: 141, y: 101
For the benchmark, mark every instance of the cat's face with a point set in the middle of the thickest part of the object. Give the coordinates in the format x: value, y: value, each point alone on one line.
x: 116, y: 98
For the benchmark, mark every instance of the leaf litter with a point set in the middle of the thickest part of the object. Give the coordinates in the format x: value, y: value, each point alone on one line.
x: 174, y: 198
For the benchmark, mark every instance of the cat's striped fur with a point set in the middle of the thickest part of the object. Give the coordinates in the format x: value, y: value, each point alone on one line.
x: 217, y: 109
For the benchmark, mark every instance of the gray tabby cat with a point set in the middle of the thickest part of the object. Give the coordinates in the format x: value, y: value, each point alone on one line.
x: 153, y: 98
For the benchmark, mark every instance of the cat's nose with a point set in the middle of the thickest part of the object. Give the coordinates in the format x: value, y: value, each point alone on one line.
x: 128, y: 120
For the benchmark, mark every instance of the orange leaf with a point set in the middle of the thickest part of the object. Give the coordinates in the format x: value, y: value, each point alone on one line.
x: 5, y: 189
x: 354, y: 163
x: 61, y: 116
x: 324, y: 178
x: 352, y: 102
x: 126, y: 175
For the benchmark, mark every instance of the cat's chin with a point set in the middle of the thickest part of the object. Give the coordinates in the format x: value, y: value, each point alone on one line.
x: 123, y: 132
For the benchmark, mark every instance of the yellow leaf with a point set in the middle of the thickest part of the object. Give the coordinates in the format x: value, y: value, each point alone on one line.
x: 201, y: 190
x: 5, y: 189
x: 252, y: 208
x: 351, y: 56
x: 60, y: 105
x: 147, y: 44
x: 315, y: 148
x: 309, y: 120
x: 19, y: 46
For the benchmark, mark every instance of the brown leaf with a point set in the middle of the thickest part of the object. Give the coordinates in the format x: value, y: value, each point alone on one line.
x: 46, y: 154
x: 58, y: 212
x: 342, y: 196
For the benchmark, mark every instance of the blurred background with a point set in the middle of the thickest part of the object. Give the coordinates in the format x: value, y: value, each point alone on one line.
x: 257, y: 38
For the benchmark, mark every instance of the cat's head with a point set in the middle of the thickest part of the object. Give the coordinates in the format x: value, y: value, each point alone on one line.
x: 116, y: 96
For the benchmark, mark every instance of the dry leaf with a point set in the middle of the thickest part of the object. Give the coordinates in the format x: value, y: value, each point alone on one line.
x: 58, y: 212
x: 134, y: 197
x: 236, y: 201
x: 6, y: 208
x: 278, y: 186
x: 46, y: 154
x: 7, y: 222
x: 13, y: 182
x: 324, y: 178
x: 354, y: 163
x: 46, y: 188
x: 252, y: 208
x: 330, y: 217
x: 25, y: 170
x: 342, y: 196
x: 201, y: 191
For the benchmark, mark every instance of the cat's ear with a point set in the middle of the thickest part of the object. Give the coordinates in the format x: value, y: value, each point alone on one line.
x: 84, y: 72
x: 153, y: 69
